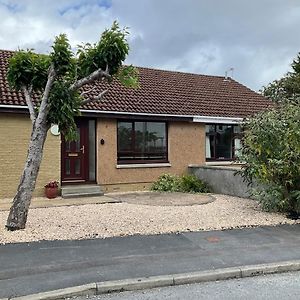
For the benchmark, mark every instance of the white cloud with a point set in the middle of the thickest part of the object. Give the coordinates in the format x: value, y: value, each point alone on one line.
x: 257, y: 38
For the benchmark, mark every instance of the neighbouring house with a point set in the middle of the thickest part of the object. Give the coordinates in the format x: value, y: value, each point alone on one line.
x: 126, y: 141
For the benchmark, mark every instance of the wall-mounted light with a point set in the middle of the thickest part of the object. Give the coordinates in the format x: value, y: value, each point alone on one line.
x: 54, y: 129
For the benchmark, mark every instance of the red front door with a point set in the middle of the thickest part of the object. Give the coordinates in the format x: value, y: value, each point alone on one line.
x: 75, y: 160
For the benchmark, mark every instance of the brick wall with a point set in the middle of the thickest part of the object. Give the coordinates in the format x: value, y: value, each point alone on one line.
x: 14, y: 138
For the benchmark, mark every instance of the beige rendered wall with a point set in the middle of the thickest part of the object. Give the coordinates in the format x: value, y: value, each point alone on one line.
x: 14, y: 138
x: 186, y: 146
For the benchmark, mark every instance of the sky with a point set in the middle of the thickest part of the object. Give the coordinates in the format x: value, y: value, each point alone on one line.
x: 258, y: 38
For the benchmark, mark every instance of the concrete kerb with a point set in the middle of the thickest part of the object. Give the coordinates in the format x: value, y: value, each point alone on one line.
x: 135, y: 284
x: 254, y: 270
x: 87, y: 289
x: 165, y: 280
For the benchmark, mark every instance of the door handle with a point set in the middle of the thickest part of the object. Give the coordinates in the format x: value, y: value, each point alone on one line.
x: 82, y: 149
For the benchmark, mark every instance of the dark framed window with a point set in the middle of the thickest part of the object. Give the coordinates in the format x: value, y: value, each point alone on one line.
x: 142, y: 142
x: 223, y: 141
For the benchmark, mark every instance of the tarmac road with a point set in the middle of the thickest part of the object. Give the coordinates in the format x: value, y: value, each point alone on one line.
x: 28, y: 268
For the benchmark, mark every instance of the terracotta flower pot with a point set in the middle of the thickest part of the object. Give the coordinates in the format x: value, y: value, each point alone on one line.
x: 51, y: 192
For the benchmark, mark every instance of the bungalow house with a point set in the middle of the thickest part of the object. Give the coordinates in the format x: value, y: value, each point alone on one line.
x: 126, y: 141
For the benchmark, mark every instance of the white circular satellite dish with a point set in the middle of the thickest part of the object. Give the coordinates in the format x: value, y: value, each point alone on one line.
x: 54, y: 129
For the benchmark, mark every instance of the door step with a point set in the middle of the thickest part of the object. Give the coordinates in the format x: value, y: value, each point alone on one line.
x: 84, y: 190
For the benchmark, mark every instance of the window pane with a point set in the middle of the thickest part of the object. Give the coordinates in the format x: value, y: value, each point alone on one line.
x: 142, y: 141
x: 210, y: 128
x: 150, y: 140
x: 210, y: 146
x: 124, y: 136
x: 92, y: 151
x: 67, y: 166
x: 141, y: 137
x: 237, y: 146
x: 224, y: 141
x: 77, y: 142
x: 68, y: 146
x: 237, y: 129
x: 77, y: 166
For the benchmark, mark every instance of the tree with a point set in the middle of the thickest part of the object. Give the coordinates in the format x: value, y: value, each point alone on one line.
x: 271, y: 150
x: 271, y: 146
x: 51, y: 85
x: 286, y: 89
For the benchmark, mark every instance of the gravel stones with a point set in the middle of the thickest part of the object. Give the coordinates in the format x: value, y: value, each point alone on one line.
x: 121, y: 219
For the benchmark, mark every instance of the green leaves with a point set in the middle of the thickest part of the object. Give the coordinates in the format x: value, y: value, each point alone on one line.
x: 62, y: 57
x: 286, y: 89
x: 271, y: 150
x: 63, y: 108
x: 110, y: 52
x: 28, y: 69
x: 128, y: 76
x: 185, y: 184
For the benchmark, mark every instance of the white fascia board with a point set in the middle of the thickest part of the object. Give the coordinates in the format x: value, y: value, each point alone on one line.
x: 201, y: 119
x: 13, y: 106
x: 217, y: 120
x: 196, y: 119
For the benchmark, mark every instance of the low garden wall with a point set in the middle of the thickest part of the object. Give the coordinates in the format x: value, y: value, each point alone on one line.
x: 221, y: 179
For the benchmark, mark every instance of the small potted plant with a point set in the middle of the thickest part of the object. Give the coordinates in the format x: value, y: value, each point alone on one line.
x: 51, y: 189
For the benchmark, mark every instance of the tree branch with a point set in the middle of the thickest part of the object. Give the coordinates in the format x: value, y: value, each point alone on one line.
x: 90, y: 79
x: 97, y: 98
x: 86, y: 92
x: 43, y: 107
x: 27, y: 94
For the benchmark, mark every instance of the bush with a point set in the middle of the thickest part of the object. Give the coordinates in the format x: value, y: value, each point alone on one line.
x: 185, y: 184
x: 167, y: 183
x: 271, y: 150
x: 192, y: 184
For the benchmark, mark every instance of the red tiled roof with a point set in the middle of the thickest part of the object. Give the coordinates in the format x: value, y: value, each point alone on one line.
x: 163, y: 92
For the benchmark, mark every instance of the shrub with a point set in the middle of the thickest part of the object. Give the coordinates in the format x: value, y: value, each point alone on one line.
x: 192, y: 184
x: 271, y: 150
x: 185, y: 184
x: 167, y: 183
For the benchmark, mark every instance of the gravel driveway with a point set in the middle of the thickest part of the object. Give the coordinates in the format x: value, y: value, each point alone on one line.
x: 119, y: 219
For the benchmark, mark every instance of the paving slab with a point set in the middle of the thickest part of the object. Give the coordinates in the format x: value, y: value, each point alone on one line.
x: 163, y: 198
x: 42, y: 202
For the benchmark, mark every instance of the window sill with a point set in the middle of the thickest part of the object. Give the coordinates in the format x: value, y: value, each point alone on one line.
x: 223, y: 163
x: 136, y: 166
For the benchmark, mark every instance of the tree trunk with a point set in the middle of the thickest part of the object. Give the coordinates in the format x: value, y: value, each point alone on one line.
x: 18, y: 212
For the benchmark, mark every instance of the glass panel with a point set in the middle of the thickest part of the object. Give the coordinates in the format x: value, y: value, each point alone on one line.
x: 68, y: 146
x: 141, y: 136
x: 150, y: 140
x: 124, y: 136
x: 237, y: 129
x: 224, y: 141
x: 77, y: 142
x: 210, y: 128
x: 92, y: 150
x: 237, y: 146
x: 67, y: 167
x: 210, y: 146
x: 142, y: 141
x: 77, y: 166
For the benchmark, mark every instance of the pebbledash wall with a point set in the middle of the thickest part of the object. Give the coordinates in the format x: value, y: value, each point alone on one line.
x: 15, y: 132
x: 186, y: 145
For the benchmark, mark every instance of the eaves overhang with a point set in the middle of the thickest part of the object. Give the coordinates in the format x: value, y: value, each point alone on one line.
x: 120, y: 114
